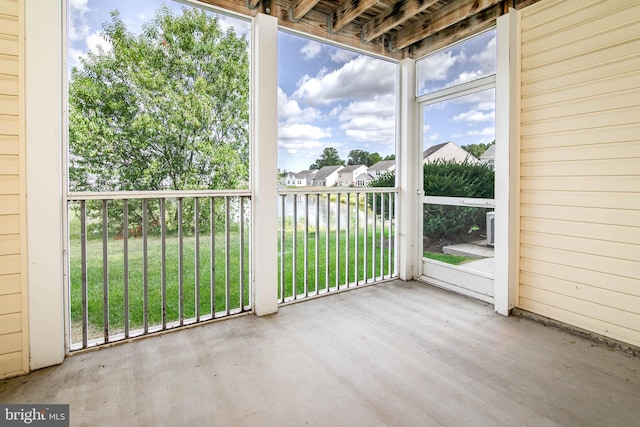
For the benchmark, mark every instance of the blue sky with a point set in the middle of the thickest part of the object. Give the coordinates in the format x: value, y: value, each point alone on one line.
x: 329, y: 96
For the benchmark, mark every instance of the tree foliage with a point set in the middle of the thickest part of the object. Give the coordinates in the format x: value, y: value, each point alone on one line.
x: 363, y: 157
x: 329, y: 157
x: 477, y: 150
x: 164, y: 109
x: 452, y: 179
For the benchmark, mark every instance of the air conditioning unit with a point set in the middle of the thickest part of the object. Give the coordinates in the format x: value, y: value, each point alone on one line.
x: 491, y: 229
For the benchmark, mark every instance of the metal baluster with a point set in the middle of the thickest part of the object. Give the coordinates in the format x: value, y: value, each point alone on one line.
x: 382, y: 212
x: 180, y: 265
x: 306, y: 245
x: 346, y: 257
x: 390, y: 235
x: 196, y: 260
x: 105, y: 270
x: 373, y: 238
x: 83, y: 256
x: 366, y: 237
x: 125, y: 273
x: 227, y: 265
x: 212, y: 257
x: 327, y: 244
x: 282, y: 247
x: 317, y: 246
x: 338, y: 241
x: 163, y: 261
x: 145, y: 268
x: 357, y: 242
x: 241, y: 253
x: 294, y: 275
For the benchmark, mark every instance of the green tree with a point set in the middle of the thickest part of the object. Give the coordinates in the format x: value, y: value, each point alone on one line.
x: 477, y: 150
x: 329, y: 157
x: 358, y: 157
x: 362, y: 157
x: 164, y: 109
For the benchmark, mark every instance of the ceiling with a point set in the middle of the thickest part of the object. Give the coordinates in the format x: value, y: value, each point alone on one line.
x: 392, y: 28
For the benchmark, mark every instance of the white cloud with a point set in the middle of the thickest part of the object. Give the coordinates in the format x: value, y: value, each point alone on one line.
x: 490, y: 131
x: 96, y: 41
x: 341, y: 56
x: 371, y: 122
x: 487, y: 55
x: 289, y: 111
x: 467, y: 76
x: 361, y: 78
x: 310, y: 50
x: 294, y: 137
x: 437, y: 67
x: 474, y: 116
x: 78, y: 27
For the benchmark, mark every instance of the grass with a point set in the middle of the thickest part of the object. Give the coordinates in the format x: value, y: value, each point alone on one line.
x: 449, y: 259
x: 116, y: 273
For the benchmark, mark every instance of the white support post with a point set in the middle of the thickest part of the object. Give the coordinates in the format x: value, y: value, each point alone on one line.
x: 408, y: 176
x: 507, y: 173
x: 43, y: 106
x: 264, y: 163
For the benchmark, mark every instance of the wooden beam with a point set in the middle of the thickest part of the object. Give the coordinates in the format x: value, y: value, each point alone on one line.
x: 299, y: 8
x: 474, y: 24
x: 252, y: 4
x: 394, y: 16
x: 314, y: 24
x: 347, y: 12
x: 447, y: 16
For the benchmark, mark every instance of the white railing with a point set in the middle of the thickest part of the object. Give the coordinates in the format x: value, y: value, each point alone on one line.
x: 335, y: 239
x: 142, y: 262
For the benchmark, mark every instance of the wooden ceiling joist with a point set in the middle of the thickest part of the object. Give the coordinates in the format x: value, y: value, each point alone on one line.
x: 394, y: 16
x: 395, y: 29
x: 459, y: 31
x: 347, y: 12
x: 299, y: 8
x: 447, y: 16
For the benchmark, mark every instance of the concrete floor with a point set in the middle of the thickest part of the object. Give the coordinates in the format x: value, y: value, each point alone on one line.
x: 395, y: 354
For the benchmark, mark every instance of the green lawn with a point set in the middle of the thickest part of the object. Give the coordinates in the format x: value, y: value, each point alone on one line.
x: 449, y: 259
x: 116, y: 264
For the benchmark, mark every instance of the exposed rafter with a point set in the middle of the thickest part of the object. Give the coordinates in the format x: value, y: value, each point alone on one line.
x: 299, y: 8
x: 347, y: 12
x: 450, y: 14
x: 394, y: 16
x: 392, y: 28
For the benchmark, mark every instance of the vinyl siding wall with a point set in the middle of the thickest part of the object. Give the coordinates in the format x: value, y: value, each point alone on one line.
x: 580, y: 164
x: 13, y: 301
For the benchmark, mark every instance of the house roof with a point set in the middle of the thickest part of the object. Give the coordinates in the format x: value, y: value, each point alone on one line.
x: 393, y: 28
x: 429, y: 151
x: 303, y: 174
x: 352, y: 168
x: 382, y: 165
x: 326, y: 171
x: 364, y: 176
x: 490, y: 153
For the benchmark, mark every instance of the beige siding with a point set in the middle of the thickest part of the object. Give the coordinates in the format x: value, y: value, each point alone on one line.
x: 13, y: 301
x: 580, y: 164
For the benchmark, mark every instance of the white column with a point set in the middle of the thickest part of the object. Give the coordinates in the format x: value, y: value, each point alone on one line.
x: 43, y: 105
x: 408, y: 175
x: 264, y: 163
x: 507, y: 164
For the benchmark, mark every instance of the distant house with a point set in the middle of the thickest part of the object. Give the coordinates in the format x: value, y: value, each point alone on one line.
x: 347, y: 175
x: 447, y: 151
x: 363, y: 180
x: 489, y: 156
x: 381, y: 168
x: 326, y: 176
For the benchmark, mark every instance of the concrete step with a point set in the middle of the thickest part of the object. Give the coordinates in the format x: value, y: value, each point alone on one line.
x: 477, y: 249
